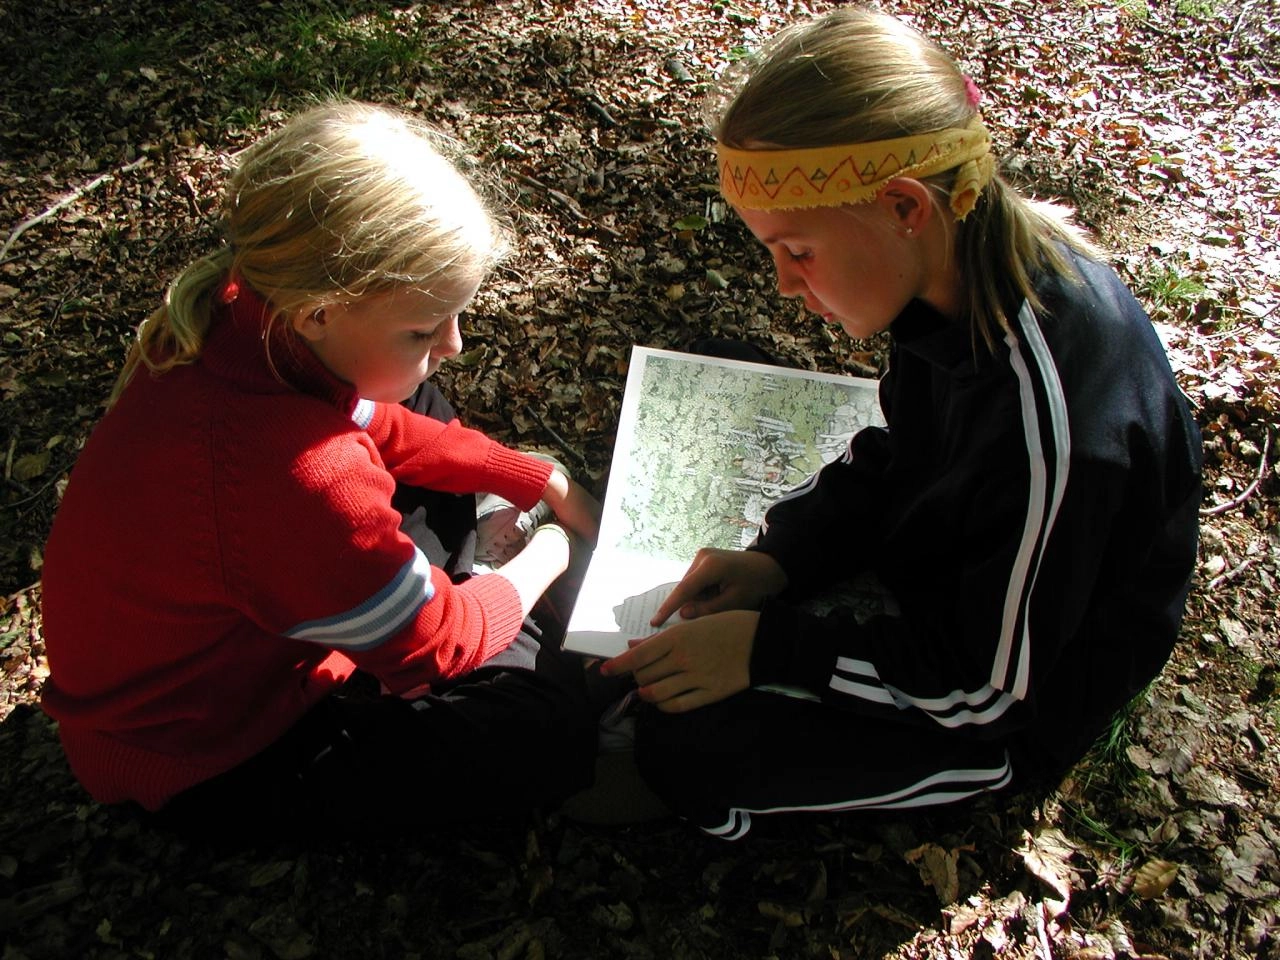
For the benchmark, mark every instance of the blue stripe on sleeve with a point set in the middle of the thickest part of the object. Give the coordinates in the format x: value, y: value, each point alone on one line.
x: 378, y: 618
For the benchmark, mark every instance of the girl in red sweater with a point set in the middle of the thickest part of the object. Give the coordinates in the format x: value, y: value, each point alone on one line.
x: 259, y: 601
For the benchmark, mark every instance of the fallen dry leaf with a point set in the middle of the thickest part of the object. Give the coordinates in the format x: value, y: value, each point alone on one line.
x: 937, y: 868
x: 1156, y: 121
x: 1046, y: 856
x: 789, y: 916
x: 1153, y: 878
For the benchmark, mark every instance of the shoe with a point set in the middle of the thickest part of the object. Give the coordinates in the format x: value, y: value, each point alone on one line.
x: 503, y: 529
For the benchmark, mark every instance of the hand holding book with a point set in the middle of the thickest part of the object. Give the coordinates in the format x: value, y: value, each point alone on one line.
x: 692, y: 663
x: 720, y: 580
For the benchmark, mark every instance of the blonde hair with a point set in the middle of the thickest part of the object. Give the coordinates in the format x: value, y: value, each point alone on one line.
x: 343, y: 201
x: 855, y: 76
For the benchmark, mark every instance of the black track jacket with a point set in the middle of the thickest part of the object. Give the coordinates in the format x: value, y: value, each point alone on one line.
x: 1033, y: 512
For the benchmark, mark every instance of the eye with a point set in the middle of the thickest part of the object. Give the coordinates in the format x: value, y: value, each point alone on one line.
x: 427, y: 336
x: 798, y: 256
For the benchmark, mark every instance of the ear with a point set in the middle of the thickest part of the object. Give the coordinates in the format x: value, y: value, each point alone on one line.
x: 309, y: 322
x: 908, y: 204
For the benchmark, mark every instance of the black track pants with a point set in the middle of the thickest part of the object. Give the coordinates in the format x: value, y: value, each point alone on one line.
x: 761, y: 752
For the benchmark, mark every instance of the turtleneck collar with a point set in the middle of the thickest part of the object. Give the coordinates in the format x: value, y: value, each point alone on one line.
x: 241, y: 347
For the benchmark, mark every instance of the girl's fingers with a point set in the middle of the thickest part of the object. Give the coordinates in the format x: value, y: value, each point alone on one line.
x: 689, y: 588
x: 662, y: 669
x: 700, y: 582
x: 667, y: 607
x: 667, y: 689
x: 685, y: 702
x: 641, y: 654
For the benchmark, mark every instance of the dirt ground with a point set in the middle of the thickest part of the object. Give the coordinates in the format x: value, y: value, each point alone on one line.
x: 1155, y: 120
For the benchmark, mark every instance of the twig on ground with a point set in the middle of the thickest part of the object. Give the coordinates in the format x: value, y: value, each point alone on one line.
x: 563, y: 443
x: 1234, y: 34
x: 35, y: 495
x: 1248, y: 491
x: 66, y: 201
x: 1231, y: 574
x: 1234, y: 936
x: 1042, y: 946
x: 11, y: 598
x: 193, y: 197
x: 569, y: 203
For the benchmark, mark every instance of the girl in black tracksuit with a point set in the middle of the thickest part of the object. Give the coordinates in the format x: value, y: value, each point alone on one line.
x: 1030, y: 508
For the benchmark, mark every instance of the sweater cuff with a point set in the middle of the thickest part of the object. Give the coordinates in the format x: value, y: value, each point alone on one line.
x: 503, y: 615
x: 517, y: 476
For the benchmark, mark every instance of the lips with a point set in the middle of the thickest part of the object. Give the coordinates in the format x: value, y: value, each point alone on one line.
x: 814, y: 306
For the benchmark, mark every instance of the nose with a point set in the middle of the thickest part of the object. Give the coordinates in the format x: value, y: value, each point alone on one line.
x: 450, y: 345
x: 790, y: 283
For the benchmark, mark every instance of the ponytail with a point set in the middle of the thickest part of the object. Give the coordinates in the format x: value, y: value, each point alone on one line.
x: 174, y: 334
x: 1002, y: 244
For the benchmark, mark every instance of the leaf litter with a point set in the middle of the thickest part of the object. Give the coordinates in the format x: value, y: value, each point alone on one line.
x: 1155, y: 120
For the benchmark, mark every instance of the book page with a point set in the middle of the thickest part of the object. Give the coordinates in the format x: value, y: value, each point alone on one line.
x: 704, y: 446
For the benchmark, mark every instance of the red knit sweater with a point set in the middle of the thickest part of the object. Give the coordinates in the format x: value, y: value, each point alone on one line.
x: 226, y: 554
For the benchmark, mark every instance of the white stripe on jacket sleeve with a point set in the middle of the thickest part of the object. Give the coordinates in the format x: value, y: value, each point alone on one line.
x: 989, y: 702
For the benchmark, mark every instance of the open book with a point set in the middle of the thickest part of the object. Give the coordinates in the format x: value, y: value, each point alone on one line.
x: 704, y: 446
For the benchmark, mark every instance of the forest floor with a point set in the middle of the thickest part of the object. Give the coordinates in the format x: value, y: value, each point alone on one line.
x: 1156, y: 120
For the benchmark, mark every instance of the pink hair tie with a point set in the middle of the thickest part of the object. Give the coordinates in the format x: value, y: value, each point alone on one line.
x: 229, y: 290
x: 972, y: 93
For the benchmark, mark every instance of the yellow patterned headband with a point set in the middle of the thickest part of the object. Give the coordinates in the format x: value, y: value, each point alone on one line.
x: 853, y: 173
